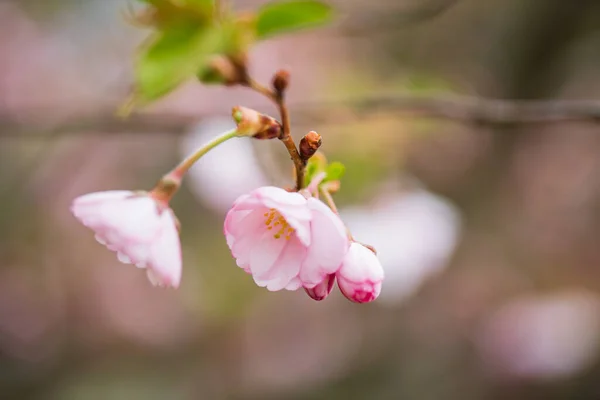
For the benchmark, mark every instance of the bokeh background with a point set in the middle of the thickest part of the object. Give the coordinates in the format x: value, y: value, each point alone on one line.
x: 472, y: 143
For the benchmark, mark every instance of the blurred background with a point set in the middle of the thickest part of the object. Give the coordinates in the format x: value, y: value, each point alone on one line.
x: 472, y: 143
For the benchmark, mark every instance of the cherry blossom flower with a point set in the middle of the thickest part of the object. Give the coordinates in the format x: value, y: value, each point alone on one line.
x: 360, y: 275
x: 285, y: 240
x: 139, y: 227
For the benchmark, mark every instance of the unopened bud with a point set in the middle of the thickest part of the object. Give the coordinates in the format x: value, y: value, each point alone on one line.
x: 309, y: 145
x: 252, y: 123
x: 281, y: 80
x: 322, y: 290
x: 360, y: 275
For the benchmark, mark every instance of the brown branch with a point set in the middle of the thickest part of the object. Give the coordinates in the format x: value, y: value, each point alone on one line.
x: 38, y: 123
x: 484, y: 110
x: 278, y: 98
x: 288, y: 141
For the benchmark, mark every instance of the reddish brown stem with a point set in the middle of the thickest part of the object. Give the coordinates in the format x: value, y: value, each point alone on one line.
x: 286, y: 136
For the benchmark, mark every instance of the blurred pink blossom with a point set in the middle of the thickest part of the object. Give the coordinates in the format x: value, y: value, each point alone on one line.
x: 415, y: 232
x: 360, y: 275
x: 542, y: 337
x: 140, y: 229
x: 218, y: 184
x: 284, y: 239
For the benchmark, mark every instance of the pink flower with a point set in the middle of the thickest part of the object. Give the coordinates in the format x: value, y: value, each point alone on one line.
x: 142, y: 230
x: 322, y: 290
x: 360, y: 275
x: 285, y: 240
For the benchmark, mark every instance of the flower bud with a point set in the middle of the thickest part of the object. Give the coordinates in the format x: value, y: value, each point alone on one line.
x: 252, y: 123
x: 360, y: 276
x: 220, y: 70
x: 281, y: 80
x: 322, y: 290
x: 309, y: 145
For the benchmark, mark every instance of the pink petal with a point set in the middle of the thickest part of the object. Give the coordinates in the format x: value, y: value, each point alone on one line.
x: 329, y: 245
x: 322, y: 290
x: 283, y: 273
x: 265, y: 252
x: 273, y: 196
x: 239, y: 223
x: 294, y: 284
x: 360, y: 275
x: 247, y: 235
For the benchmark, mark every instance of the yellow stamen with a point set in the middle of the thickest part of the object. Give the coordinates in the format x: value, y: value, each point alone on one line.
x: 274, y: 219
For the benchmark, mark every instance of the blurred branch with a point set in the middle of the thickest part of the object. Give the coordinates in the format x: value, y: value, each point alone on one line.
x: 385, y: 20
x: 471, y: 110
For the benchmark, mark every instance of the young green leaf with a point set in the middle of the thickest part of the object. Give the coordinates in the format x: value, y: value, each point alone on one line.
x: 335, y: 171
x: 210, y: 76
x: 280, y: 17
x: 203, y: 6
x: 315, y: 165
x: 174, y: 55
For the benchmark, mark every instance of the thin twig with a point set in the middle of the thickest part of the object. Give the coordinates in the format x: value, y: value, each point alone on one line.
x: 286, y: 136
x: 288, y: 141
x: 36, y: 123
x: 328, y: 199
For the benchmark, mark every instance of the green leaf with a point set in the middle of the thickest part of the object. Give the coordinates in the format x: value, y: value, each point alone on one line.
x: 202, y: 6
x: 335, y: 171
x: 210, y: 76
x: 276, y: 18
x: 174, y: 55
x: 315, y: 165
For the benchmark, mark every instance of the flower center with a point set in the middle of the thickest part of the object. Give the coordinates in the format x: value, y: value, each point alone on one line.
x: 275, y: 221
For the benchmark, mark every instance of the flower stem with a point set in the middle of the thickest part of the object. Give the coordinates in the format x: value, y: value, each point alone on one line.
x: 286, y: 136
x: 177, y: 173
x: 315, y: 185
x: 170, y: 183
x: 329, y: 199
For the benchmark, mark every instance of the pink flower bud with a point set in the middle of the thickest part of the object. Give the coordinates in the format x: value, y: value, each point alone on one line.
x: 140, y: 229
x: 360, y: 275
x: 285, y: 240
x: 322, y: 290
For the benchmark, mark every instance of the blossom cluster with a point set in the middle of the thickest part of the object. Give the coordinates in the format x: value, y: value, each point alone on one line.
x: 284, y: 239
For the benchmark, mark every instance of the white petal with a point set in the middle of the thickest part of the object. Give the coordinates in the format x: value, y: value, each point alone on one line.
x: 134, y: 219
x: 153, y: 278
x: 123, y: 258
x: 165, y: 253
x: 99, y: 197
x: 100, y: 239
